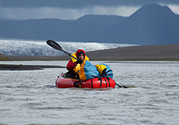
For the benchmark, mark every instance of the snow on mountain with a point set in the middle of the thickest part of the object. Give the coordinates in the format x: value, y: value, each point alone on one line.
x: 40, y: 48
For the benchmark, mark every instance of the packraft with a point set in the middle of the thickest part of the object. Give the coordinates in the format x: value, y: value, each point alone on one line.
x: 64, y: 82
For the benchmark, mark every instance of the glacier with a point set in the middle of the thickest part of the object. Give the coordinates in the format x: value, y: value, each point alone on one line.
x: 40, y: 48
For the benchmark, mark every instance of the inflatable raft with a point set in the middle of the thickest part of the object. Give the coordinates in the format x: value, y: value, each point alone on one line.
x: 63, y: 82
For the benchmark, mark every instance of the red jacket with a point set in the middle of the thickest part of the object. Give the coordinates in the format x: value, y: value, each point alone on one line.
x: 71, y: 65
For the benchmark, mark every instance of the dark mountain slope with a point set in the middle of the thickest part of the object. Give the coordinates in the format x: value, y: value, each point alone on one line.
x: 151, y: 24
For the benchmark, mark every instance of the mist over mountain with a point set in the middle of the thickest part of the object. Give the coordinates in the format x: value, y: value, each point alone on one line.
x: 105, y: 20
x: 149, y: 25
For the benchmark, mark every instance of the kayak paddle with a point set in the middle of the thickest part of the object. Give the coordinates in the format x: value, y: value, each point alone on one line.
x: 55, y: 45
x: 121, y: 86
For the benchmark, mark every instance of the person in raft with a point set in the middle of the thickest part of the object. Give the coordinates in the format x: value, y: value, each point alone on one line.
x: 74, y: 65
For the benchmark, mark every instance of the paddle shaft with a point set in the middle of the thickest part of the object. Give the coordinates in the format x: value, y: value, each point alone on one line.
x: 55, y: 45
x: 120, y: 86
x: 69, y: 54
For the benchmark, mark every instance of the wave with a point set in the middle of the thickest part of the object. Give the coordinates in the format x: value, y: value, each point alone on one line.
x: 40, y: 48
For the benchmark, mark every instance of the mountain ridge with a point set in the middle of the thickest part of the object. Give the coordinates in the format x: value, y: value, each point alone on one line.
x: 145, y: 27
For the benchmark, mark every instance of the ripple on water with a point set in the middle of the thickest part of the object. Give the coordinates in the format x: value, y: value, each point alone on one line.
x: 31, y: 98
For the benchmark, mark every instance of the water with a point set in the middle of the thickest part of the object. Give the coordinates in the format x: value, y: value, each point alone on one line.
x: 30, y: 97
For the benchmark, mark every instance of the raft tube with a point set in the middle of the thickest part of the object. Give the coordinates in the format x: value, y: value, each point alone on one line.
x: 62, y: 82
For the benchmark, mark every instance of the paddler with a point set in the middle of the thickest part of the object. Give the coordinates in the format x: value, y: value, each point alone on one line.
x: 74, y: 65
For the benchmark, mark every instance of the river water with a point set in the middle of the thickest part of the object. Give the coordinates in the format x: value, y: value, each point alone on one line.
x: 30, y: 97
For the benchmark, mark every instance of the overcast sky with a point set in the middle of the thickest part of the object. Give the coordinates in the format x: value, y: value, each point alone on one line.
x: 73, y: 9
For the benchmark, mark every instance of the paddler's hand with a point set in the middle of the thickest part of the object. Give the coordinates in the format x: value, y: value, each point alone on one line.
x: 77, y: 84
x: 79, y: 61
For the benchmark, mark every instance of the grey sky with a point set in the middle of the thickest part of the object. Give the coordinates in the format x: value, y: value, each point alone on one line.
x: 73, y: 9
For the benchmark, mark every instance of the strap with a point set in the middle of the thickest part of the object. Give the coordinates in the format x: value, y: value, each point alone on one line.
x: 92, y: 83
x: 108, y: 71
x: 106, y: 82
x: 100, y: 82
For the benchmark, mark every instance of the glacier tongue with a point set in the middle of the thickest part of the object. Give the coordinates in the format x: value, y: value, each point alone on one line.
x: 40, y: 48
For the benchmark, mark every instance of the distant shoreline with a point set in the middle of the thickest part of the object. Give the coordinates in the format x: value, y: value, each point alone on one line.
x: 26, y: 67
x: 133, y: 53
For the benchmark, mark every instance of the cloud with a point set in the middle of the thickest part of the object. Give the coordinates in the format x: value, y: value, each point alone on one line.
x: 38, y: 13
x: 60, y: 13
x: 174, y: 8
x: 74, y: 4
x: 73, y: 9
x: 120, y: 11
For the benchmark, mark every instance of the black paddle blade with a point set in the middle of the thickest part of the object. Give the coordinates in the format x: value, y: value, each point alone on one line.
x: 121, y: 86
x: 54, y: 45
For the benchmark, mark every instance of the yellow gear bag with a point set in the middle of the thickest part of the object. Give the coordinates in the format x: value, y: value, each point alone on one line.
x: 100, y: 68
x: 104, y: 70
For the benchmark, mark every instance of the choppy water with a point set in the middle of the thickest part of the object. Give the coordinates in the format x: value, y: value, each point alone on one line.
x: 30, y: 97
